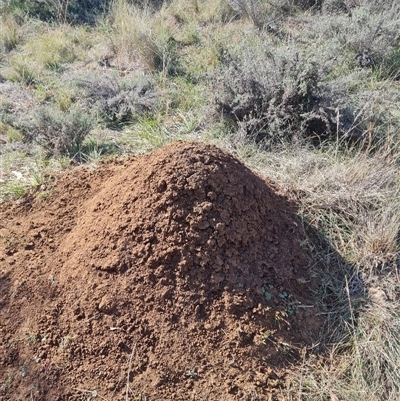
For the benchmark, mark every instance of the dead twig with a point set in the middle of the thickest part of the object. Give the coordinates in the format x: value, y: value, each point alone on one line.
x: 93, y: 393
x: 129, y: 372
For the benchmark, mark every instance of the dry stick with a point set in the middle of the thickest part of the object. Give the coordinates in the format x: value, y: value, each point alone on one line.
x: 91, y: 392
x: 129, y: 372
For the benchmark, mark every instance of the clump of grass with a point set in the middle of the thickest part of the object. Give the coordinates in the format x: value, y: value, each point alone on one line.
x: 363, y: 367
x: 23, y: 170
x: 10, y: 133
x: 183, y: 95
x: 10, y: 33
x: 63, y: 99
x: 139, y: 37
x: 147, y: 134
x: 23, y: 70
x: 53, y: 49
x: 12, y: 190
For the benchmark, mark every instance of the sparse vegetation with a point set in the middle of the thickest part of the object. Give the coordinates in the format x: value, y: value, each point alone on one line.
x: 305, y: 92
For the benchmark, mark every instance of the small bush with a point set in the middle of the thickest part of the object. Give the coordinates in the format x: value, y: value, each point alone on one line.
x: 286, y: 94
x: 56, y: 131
x: 370, y: 31
x: 118, y: 100
x: 271, y: 98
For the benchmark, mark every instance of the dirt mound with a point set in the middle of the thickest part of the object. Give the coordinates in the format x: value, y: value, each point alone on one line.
x: 181, y: 267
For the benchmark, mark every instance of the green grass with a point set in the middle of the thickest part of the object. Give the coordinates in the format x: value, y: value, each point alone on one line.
x: 46, y: 50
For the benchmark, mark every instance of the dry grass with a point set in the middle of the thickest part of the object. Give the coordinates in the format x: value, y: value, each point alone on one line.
x: 364, y: 367
x: 138, y: 38
x: 352, y: 198
x: 10, y: 33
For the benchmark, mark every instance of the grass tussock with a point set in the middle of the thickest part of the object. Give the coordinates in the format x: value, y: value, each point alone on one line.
x: 138, y: 37
x: 306, y: 92
x: 10, y: 33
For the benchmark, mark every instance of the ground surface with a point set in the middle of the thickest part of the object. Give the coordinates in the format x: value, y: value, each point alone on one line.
x: 181, y: 267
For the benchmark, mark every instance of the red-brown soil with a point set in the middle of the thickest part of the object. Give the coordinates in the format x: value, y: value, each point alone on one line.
x: 181, y: 267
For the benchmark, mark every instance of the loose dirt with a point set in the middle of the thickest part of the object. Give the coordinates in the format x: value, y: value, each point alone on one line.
x: 176, y: 275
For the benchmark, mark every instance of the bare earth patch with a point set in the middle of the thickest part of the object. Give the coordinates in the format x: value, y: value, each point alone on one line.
x: 182, y: 260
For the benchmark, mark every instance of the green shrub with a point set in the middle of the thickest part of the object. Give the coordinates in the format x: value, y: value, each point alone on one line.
x: 271, y: 98
x: 330, y: 82
x: 115, y: 100
x: 56, y: 131
x: 288, y: 96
